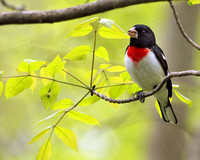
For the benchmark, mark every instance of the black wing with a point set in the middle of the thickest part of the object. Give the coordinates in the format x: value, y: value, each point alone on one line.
x: 161, y: 57
x: 126, y: 49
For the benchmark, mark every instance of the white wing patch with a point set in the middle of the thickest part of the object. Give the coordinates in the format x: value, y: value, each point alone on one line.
x: 163, y: 56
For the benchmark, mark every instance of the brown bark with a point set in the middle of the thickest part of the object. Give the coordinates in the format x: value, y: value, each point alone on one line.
x: 51, y: 16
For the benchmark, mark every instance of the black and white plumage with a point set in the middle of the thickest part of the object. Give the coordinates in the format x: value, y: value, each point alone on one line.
x: 147, y: 66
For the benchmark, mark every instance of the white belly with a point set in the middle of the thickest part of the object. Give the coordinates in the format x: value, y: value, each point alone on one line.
x: 147, y: 73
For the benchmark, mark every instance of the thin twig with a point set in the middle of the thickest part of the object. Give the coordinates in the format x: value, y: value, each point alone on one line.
x: 106, y: 76
x: 171, y: 75
x: 53, y: 127
x: 95, y: 77
x: 181, y: 27
x: 51, y: 79
x: 75, y: 78
x: 18, y: 8
x: 114, y: 85
x: 71, y: 84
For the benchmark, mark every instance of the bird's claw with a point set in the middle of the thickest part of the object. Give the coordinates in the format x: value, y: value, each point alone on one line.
x: 140, y: 96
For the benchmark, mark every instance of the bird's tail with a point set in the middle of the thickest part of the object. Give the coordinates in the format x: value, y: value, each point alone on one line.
x: 168, y: 113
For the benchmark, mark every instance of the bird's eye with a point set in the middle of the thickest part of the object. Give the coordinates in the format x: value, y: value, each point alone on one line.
x: 143, y: 32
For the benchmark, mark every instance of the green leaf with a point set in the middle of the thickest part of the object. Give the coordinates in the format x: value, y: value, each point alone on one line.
x: 104, y: 66
x: 81, y: 32
x: 193, y: 2
x: 40, y: 134
x: 158, y: 108
x: 55, y: 66
x: 78, y: 53
x: 115, y: 92
x: 101, y: 85
x: 49, y: 93
x: 62, y: 104
x: 115, y: 33
x: 63, y: 74
x: 43, y: 120
x: 29, y: 65
x: 125, y: 76
x: 14, y: 86
x: 97, y: 77
x: 86, y: 23
x: 1, y: 88
x: 34, y: 82
x: 83, y: 118
x: 116, y: 69
x: 114, y: 105
x: 183, y: 98
x: 89, y: 100
x: 102, y: 53
x: 175, y: 86
x: 116, y: 79
x: 83, y: 28
x: 133, y: 88
x: 67, y: 136
x: 45, y: 151
x: 43, y: 73
x: 107, y: 22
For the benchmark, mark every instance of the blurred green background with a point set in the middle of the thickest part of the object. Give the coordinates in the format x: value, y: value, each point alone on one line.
x: 134, y: 131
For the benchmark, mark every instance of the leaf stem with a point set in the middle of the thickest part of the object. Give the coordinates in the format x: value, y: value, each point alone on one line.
x: 93, y: 53
x: 113, y: 85
x: 99, y: 71
x: 75, y: 78
x: 51, y: 79
x: 54, y: 126
x: 106, y: 76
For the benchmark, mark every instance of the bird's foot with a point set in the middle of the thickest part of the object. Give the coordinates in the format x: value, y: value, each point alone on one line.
x: 140, y: 96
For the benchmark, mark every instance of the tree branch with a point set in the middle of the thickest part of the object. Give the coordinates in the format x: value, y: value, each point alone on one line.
x: 181, y: 27
x: 171, y: 75
x: 9, y: 6
x: 51, y: 16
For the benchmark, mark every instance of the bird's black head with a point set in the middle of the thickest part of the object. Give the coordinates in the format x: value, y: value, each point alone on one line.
x: 141, y: 36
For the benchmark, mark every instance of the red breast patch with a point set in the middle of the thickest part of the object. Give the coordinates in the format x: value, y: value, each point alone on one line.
x: 137, y: 54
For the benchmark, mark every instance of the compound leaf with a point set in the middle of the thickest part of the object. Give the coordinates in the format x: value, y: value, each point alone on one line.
x: 16, y: 85
x: 158, y: 108
x: 49, y: 93
x: 81, y: 32
x: 83, y: 118
x: 102, y: 53
x: 183, y: 98
x: 115, y: 92
x: 43, y: 120
x: 116, y: 69
x: 104, y: 66
x: 45, y: 151
x: 67, y: 136
x: 86, y: 23
x: 115, y: 33
x: 193, y: 2
x: 29, y: 65
x: 89, y: 100
x: 55, y: 66
x: 40, y: 135
x: 62, y: 104
x: 78, y: 53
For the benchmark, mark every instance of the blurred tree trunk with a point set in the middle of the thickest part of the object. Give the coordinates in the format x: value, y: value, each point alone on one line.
x: 168, y: 141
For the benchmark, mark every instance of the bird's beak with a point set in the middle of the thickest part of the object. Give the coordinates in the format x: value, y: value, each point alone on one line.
x: 133, y: 33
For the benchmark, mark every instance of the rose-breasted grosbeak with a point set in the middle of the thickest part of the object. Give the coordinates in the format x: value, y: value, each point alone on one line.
x: 147, y: 66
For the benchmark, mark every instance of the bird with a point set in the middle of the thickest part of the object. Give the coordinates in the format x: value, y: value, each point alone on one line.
x: 147, y: 66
